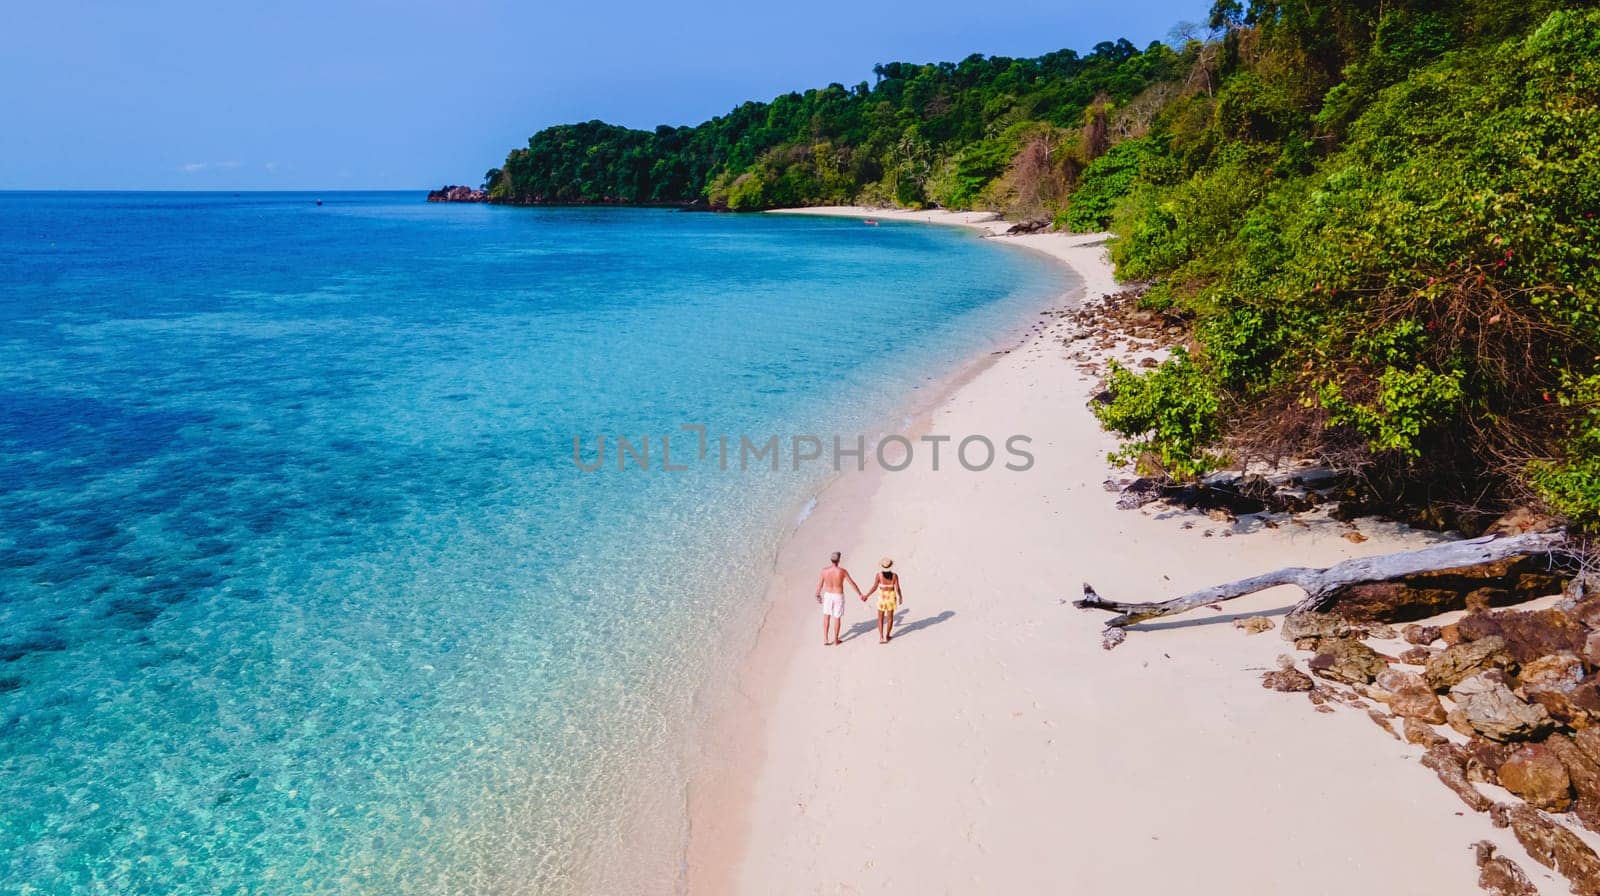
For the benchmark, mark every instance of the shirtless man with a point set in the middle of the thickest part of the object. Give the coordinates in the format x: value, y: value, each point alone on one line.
x: 830, y: 593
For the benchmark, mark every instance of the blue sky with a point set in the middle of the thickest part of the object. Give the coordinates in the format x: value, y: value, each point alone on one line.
x: 402, y: 94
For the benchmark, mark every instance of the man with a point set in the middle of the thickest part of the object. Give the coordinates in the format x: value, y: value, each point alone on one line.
x: 830, y: 593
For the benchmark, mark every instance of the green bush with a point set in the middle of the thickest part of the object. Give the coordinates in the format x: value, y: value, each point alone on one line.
x: 1170, y: 413
x: 1104, y: 183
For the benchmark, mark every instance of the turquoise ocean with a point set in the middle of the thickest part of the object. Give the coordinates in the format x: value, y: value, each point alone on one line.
x: 301, y: 590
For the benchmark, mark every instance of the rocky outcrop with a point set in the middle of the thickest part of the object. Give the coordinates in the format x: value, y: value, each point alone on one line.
x: 1420, y: 635
x: 1535, y: 773
x: 1408, y: 696
x: 1347, y: 660
x: 1528, y: 634
x: 1449, y: 762
x: 1446, y: 669
x: 1287, y: 678
x: 1487, y: 707
x: 1552, y: 845
x: 1419, y: 596
x: 1499, y: 876
x: 454, y: 193
x: 1415, y: 656
x: 1037, y: 225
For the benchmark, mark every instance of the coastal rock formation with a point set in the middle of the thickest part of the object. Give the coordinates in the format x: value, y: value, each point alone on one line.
x: 1497, y: 584
x: 1420, y: 635
x: 1484, y: 758
x: 1254, y: 625
x: 1306, y: 629
x: 1408, y: 695
x: 1286, y: 677
x: 1449, y: 762
x: 1527, y: 634
x: 455, y: 193
x: 1445, y: 669
x: 1347, y: 660
x: 1552, y: 845
x: 1499, y: 876
x: 1536, y: 774
x: 1420, y: 733
x: 1037, y: 225
x: 1489, y: 708
x: 1416, y: 656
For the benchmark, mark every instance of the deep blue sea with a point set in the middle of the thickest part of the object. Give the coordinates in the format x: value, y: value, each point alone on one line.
x: 300, y: 588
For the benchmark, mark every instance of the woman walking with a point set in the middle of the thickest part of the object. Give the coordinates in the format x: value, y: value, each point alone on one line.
x: 891, y: 595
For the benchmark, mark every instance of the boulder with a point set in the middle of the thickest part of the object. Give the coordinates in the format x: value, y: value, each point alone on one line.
x: 1408, y: 695
x: 1489, y: 708
x: 1306, y: 629
x: 1510, y: 581
x: 1421, y: 635
x: 1036, y: 225
x: 1381, y: 631
x: 1588, y: 740
x: 1583, y: 771
x: 1484, y: 758
x: 1287, y: 678
x: 1529, y: 634
x: 1347, y: 660
x: 1461, y: 661
x: 1535, y: 773
x: 1558, y: 683
x: 1449, y: 761
x: 1420, y: 733
x: 1552, y: 845
x: 1498, y: 875
x: 1563, y: 669
x: 1381, y: 719
x: 1254, y: 625
x: 1416, y: 656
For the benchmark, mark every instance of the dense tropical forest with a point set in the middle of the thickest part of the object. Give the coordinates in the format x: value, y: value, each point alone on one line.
x: 1375, y: 220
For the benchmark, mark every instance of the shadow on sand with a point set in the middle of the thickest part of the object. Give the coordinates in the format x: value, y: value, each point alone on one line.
x: 870, y: 626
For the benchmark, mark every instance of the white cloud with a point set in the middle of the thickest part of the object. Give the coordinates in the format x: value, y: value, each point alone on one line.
x: 197, y: 167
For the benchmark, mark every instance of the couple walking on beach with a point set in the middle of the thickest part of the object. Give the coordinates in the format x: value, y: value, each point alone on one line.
x: 830, y: 593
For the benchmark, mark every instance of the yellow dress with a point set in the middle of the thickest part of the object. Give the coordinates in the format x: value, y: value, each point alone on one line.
x: 888, y: 597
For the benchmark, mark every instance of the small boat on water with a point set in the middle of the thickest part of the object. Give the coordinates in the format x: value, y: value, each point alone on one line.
x: 870, y: 222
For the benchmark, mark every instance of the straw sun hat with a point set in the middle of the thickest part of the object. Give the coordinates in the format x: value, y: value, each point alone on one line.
x: 886, y: 562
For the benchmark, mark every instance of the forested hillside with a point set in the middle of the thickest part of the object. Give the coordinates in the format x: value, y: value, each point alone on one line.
x: 941, y: 133
x: 1377, y: 221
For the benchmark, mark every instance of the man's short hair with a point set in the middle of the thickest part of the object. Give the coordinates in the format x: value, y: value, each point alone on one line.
x: 835, y: 557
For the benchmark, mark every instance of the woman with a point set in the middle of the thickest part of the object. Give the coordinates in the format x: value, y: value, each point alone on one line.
x: 889, y: 600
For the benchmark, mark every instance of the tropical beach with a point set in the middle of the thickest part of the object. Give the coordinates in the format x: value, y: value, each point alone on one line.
x: 995, y: 746
x: 1181, y: 421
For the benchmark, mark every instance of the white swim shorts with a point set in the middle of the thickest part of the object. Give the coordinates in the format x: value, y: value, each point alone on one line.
x: 833, y: 604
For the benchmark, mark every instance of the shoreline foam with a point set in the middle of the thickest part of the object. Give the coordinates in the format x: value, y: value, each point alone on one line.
x: 993, y: 746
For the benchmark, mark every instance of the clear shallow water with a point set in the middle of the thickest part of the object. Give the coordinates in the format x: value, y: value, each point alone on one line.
x: 300, y: 590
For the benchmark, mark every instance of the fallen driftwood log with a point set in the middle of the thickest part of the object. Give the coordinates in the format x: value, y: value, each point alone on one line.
x: 1322, y: 586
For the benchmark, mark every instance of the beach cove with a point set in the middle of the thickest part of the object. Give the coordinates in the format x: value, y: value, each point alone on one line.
x: 993, y: 746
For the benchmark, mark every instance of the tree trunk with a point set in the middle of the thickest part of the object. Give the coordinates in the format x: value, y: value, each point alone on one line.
x: 1321, y: 585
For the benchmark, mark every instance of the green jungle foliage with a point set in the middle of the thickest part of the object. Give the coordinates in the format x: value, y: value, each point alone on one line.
x: 1377, y: 219
x: 1382, y: 227
x: 920, y: 134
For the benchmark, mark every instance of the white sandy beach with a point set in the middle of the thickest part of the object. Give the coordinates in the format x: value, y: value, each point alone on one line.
x: 994, y: 747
